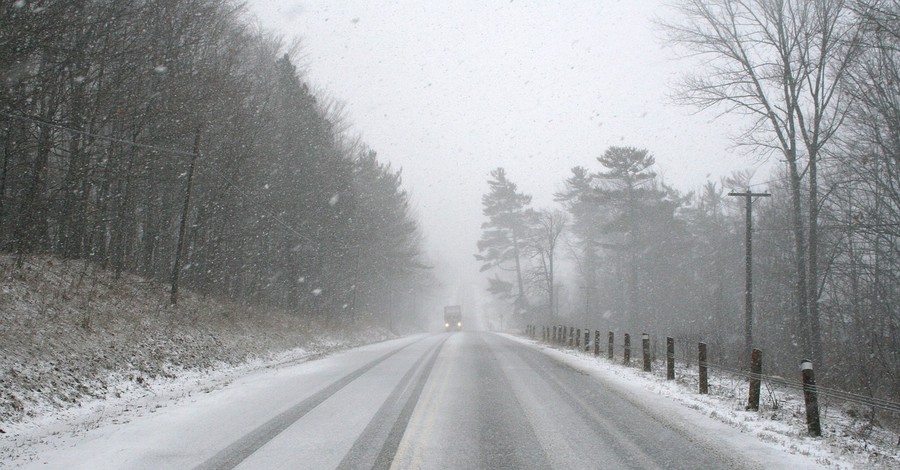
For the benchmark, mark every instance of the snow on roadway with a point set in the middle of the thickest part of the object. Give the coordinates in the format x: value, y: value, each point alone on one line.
x: 775, y: 437
x: 121, y: 426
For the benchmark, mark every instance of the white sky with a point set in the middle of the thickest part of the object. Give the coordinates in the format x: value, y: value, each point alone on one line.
x: 451, y: 90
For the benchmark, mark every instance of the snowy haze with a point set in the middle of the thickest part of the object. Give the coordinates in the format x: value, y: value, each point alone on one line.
x: 451, y: 90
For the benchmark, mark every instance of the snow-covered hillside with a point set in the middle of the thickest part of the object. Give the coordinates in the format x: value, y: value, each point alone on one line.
x: 71, y: 333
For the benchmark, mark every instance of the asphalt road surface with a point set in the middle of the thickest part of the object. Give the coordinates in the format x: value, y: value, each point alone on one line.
x: 466, y: 400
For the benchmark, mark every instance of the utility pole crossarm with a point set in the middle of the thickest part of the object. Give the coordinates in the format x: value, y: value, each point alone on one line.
x: 749, y: 194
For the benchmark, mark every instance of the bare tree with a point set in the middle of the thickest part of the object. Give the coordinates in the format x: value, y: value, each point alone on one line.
x: 780, y: 62
x: 99, y: 103
x: 549, y: 226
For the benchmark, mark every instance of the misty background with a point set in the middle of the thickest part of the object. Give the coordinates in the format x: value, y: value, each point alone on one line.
x: 448, y: 92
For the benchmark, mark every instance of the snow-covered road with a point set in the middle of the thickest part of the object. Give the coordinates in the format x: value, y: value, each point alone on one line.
x: 451, y: 400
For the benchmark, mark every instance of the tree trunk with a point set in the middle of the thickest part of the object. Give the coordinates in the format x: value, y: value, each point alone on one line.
x: 801, y: 253
x: 520, y: 298
x: 813, y: 328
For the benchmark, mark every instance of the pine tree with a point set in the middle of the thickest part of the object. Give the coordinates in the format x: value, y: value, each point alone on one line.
x: 641, y: 209
x: 509, y: 224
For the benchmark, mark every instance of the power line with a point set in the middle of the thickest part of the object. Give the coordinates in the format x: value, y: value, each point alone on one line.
x: 44, y: 122
x: 259, y: 205
x: 874, y: 402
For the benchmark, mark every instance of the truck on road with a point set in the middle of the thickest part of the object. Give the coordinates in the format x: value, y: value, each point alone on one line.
x: 452, y: 318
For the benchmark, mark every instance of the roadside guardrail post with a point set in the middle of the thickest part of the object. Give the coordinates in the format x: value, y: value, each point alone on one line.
x: 609, y: 351
x: 578, y: 337
x: 670, y: 358
x: 704, y: 374
x: 810, y: 396
x: 627, y: 359
x: 755, y: 376
x: 645, y: 347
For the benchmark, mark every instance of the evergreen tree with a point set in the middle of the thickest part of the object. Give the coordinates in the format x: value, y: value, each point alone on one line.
x: 503, y: 237
x: 587, y: 217
x: 641, y: 212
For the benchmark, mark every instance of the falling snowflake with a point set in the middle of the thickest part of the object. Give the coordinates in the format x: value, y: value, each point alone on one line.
x: 334, y: 200
x: 316, y: 291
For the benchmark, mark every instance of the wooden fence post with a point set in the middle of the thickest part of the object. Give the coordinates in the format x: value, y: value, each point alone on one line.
x: 610, y: 352
x: 810, y: 396
x: 596, y: 342
x: 704, y: 375
x: 755, y: 380
x: 645, y: 346
x: 587, y: 340
x: 577, y: 338
x: 670, y: 358
x: 627, y: 359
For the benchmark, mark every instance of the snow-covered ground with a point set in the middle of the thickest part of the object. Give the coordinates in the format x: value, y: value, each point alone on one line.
x: 774, y: 434
x: 52, y: 429
x: 847, y: 443
x: 81, y: 347
x: 82, y: 350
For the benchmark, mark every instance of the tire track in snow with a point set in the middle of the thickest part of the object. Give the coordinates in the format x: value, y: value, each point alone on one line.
x: 231, y: 456
x: 390, y: 422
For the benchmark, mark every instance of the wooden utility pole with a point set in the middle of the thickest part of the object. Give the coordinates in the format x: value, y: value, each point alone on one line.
x: 748, y: 286
x: 182, y: 229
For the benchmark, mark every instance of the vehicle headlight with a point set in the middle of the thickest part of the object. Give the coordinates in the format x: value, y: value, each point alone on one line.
x: 446, y: 325
x: 459, y: 323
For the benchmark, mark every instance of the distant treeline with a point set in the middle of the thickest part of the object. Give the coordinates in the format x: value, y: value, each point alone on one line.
x: 111, y: 110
